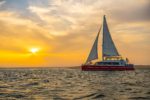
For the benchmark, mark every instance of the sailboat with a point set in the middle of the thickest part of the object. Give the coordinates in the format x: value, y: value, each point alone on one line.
x: 111, y: 59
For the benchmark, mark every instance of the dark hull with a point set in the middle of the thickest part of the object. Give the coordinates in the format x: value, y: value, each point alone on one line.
x: 106, y: 68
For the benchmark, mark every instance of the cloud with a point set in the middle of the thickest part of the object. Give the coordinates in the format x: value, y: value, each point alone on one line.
x: 2, y: 2
x: 67, y: 28
x: 19, y: 30
x: 136, y: 12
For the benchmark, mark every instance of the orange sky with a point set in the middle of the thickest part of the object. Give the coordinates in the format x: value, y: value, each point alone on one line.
x: 64, y: 31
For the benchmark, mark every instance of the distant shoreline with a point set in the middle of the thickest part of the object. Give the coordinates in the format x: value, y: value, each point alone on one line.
x: 142, y: 66
x: 73, y: 67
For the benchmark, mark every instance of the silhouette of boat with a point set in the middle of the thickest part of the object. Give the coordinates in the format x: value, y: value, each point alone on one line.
x: 111, y: 59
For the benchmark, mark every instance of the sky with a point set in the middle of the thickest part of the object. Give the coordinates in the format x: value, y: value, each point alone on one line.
x: 56, y: 33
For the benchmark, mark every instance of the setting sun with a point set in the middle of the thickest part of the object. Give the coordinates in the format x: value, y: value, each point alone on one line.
x: 34, y: 50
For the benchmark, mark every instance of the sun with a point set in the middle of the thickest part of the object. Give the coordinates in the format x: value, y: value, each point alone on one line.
x: 34, y: 50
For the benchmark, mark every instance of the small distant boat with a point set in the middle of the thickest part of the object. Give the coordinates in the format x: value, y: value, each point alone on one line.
x: 111, y: 59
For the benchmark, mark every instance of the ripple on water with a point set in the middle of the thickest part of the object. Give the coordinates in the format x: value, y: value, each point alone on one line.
x: 99, y: 96
x: 73, y: 84
x: 140, y: 98
x: 91, y: 96
x: 30, y: 84
x: 82, y: 97
x: 13, y: 95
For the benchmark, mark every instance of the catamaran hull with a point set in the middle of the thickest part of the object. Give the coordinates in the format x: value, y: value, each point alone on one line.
x: 106, y: 68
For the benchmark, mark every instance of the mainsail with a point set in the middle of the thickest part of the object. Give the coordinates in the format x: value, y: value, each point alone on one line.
x: 94, y: 51
x: 108, y: 46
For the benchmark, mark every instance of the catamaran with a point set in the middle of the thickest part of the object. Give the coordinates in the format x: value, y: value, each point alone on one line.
x: 111, y: 59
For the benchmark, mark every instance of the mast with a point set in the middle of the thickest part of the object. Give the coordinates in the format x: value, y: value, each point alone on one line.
x: 102, y: 38
x: 108, y: 46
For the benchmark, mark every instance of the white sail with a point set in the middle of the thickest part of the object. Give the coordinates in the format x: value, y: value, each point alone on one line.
x: 108, y: 46
x: 94, y: 51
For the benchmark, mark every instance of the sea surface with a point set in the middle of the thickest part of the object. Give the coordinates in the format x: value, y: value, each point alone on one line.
x: 73, y: 84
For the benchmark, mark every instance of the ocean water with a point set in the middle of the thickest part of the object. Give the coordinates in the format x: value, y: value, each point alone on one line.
x: 73, y: 84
